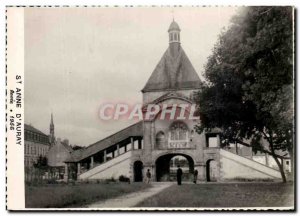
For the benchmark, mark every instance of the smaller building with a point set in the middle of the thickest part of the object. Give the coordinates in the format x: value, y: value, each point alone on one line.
x: 36, y: 144
x: 57, y: 155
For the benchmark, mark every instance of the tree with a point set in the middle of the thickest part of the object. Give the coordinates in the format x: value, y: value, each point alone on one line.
x: 41, y: 163
x: 249, y: 81
x: 41, y: 166
x: 77, y: 147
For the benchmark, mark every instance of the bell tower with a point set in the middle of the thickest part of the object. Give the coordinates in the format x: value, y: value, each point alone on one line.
x: 174, y: 38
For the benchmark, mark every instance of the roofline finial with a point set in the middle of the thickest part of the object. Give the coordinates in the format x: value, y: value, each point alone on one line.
x: 173, y: 14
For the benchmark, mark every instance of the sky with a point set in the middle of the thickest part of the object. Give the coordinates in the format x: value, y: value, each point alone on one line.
x: 77, y: 59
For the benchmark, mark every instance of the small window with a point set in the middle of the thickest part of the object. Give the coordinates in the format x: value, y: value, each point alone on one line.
x: 171, y: 37
x: 179, y: 131
x: 128, y: 147
x: 212, y: 142
x: 175, y: 36
x: 287, y: 163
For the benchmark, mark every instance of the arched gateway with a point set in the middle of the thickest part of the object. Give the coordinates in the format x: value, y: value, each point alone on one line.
x: 166, y: 167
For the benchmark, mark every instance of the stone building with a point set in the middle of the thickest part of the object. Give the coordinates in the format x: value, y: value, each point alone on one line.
x: 161, y: 145
x: 55, y: 150
x: 36, y: 144
x: 56, y: 156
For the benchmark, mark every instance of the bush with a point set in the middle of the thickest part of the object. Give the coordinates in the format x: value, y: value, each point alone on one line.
x: 124, y: 179
x: 51, y: 181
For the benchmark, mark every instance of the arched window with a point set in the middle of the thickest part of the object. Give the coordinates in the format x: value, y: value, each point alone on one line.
x: 160, y: 139
x: 179, y: 131
x: 171, y: 36
x: 175, y: 37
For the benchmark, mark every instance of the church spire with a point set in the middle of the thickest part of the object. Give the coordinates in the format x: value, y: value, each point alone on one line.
x: 174, y: 38
x: 52, y: 135
x: 52, y: 120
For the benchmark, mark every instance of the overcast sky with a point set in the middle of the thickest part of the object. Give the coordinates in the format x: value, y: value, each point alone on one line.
x: 79, y: 58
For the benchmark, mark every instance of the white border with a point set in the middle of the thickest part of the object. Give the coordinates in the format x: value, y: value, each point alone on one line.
x: 15, y: 80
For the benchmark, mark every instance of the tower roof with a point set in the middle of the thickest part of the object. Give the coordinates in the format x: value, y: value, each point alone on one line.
x: 51, y: 122
x: 173, y: 73
x: 174, y: 26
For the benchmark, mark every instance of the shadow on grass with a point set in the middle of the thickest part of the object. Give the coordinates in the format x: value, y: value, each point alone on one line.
x: 224, y: 195
x: 75, y: 196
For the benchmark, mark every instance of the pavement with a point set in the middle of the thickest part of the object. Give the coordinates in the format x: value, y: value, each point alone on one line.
x: 132, y: 199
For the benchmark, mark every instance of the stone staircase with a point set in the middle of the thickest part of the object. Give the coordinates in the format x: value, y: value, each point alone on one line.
x: 233, y: 166
x: 113, y: 168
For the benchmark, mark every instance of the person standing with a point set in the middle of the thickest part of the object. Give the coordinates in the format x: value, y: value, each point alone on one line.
x: 148, y: 175
x: 195, y: 176
x: 179, y: 175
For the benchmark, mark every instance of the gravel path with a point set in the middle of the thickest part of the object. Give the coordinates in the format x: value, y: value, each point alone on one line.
x: 131, y: 199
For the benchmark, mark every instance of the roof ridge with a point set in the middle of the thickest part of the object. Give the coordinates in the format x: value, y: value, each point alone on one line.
x: 114, y: 133
x: 30, y: 127
x: 106, y: 142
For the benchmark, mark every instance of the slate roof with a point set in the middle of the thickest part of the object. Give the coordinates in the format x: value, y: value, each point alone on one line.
x: 80, y: 154
x: 68, y: 147
x: 173, y: 73
x: 33, y: 129
x: 58, y: 153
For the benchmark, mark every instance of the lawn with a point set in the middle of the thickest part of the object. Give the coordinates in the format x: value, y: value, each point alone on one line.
x: 224, y: 195
x: 62, y: 195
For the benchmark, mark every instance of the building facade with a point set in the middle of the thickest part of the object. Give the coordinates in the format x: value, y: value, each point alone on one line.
x: 161, y: 144
x: 36, y: 144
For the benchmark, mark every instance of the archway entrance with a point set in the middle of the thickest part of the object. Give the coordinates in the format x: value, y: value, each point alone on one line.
x: 166, y: 167
x: 138, y: 171
x: 211, y: 170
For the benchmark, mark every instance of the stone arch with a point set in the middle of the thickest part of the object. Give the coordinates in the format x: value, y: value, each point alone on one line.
x: 162, y: 109
x: 171, y: 96
x: 162, y: 165
x: 138, y: 171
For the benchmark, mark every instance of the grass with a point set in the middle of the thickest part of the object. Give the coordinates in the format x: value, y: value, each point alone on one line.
x: 63, y: 195
x: 224, y: 195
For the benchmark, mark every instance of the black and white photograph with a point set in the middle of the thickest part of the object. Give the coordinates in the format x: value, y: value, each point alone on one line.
x: 151, y: 108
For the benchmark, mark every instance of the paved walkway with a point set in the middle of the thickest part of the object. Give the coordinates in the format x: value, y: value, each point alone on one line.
x: 132, y: 199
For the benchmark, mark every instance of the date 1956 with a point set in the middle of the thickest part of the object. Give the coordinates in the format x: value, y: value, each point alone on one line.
x: 15, y: 120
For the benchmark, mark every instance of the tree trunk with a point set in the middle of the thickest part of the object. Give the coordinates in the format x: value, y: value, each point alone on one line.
x: 280, y: 166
